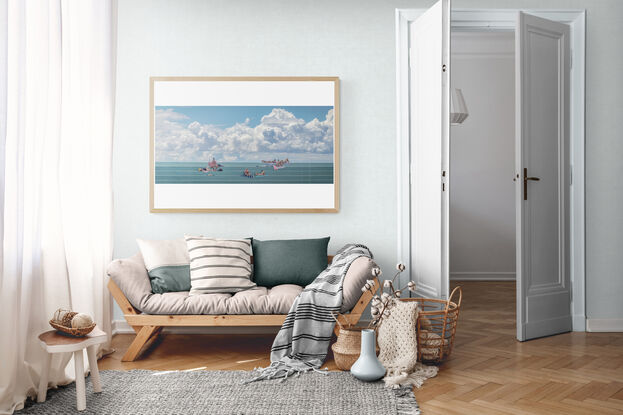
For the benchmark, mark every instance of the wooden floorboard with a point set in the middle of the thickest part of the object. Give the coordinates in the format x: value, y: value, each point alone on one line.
x: 489, y: 371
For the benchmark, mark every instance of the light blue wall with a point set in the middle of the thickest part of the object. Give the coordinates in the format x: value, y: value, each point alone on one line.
x: 354, y: 40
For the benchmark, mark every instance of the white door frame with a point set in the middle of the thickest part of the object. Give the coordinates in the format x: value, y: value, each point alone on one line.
x: 501, y: 19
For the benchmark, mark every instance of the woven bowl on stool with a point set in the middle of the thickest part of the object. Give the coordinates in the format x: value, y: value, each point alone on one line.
x: 75, y: 332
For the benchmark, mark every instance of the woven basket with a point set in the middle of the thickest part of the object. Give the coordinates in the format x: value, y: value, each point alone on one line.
x: 347, y: 348
x: 75, y: 332
x: 436, y: 326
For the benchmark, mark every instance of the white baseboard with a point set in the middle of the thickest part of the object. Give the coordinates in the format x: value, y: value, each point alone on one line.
x: 604, y: 325
x: 579, y: 322
x: 483, y: 276
x: 122, y: 327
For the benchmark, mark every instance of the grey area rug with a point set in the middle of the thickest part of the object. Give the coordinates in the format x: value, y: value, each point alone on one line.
x: 222, y: 393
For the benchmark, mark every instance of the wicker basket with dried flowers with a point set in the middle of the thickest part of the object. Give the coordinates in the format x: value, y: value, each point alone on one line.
x: 436, y: 322
x: 348, y: 346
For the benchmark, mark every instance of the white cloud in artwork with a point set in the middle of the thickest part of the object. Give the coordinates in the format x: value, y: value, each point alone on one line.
x: 280, y: 132
x: 172, y: 138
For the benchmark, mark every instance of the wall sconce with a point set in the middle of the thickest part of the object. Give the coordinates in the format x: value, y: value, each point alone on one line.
x: 458, y: 109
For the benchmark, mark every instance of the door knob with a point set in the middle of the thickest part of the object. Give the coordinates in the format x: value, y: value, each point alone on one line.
x: 525, y: 182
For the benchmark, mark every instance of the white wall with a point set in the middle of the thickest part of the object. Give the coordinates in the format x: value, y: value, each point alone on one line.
x: 482, y: 200
x: 353, y: 39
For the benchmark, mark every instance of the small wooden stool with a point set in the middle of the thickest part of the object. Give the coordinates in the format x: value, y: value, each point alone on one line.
x: 53, y: 342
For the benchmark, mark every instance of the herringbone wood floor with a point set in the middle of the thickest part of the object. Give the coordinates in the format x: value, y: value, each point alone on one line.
x: 488, y: 373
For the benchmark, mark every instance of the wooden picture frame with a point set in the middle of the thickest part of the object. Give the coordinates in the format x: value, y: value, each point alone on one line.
x: 277, y: 150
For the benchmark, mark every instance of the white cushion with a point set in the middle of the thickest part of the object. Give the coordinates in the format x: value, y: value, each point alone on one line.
x: 168, y: 264
x: 158, y: 253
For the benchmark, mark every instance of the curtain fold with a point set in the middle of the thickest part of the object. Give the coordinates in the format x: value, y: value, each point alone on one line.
x: 57, y: 62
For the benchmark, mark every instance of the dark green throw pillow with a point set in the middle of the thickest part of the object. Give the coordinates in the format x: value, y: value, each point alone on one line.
x: 295, y: 261
x: 170, y: 278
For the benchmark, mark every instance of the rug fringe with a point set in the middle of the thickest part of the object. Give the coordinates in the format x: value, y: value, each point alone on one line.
x: 405, y: 402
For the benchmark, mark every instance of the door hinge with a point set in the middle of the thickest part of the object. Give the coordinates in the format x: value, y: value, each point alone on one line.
x: 443, y: 184
x: 443, y: 67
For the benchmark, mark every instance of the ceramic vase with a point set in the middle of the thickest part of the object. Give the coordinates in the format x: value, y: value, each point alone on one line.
x: 367, y: 367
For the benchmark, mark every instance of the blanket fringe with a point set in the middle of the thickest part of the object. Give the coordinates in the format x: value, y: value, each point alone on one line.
x: 282, y: 371
x: 396, y: 378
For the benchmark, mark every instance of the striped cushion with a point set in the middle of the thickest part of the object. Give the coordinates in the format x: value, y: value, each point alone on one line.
x: 219, y: 265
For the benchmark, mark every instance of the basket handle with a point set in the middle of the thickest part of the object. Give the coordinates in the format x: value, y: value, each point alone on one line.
x: 337, y: 320
x: 458, y: 287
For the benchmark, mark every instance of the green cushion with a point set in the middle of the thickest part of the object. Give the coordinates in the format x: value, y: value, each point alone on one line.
x: 295, y: 261
x: 170, y: 278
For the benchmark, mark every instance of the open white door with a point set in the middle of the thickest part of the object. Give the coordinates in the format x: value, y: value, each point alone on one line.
x: 542, y: 179
x: 429, y: 140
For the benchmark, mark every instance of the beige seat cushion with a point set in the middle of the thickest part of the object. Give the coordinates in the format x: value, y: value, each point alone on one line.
x: 131, y: 276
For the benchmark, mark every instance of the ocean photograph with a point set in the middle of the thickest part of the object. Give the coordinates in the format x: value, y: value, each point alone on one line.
x: 244, y: 144
x: 234, y: 172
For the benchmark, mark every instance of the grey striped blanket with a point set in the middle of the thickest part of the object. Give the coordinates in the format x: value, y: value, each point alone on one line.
x: 302, y: 343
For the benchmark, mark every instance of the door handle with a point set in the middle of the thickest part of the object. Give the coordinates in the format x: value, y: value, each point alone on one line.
x: 525, y: 182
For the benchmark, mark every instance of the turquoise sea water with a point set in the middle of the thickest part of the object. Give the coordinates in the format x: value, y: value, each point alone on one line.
x: 293, y: 173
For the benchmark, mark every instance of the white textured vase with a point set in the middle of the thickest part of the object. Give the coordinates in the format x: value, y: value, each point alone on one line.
x: 367, y: 367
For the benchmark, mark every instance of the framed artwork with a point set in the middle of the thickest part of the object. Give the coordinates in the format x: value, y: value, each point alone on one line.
x: 241, y: 144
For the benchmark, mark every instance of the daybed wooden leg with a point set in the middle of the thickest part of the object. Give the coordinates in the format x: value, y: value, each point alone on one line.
x: 141, y: 338
x: 157, y: 331
x: 123, y: 302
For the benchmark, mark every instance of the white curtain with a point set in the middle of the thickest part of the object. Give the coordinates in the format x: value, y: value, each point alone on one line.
x: 56, y: 125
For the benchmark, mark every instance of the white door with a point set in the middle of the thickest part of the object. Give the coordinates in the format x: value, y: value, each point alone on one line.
x: 429, y: 140
x: 542, y: 177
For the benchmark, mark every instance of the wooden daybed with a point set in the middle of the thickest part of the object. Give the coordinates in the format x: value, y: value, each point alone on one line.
x: 148, y: 326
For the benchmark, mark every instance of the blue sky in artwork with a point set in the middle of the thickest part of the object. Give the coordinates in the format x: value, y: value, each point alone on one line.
x: 244, y: 133
x: 226, y: 116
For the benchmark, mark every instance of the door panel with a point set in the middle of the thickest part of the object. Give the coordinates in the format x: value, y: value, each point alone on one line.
x: 429, y: 139
x: 542, y: 150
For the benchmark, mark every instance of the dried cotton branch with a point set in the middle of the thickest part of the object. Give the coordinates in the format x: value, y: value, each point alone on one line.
x: 381, y: 306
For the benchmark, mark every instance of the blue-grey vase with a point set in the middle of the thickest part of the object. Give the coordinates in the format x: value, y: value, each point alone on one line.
x: 367, y: 367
